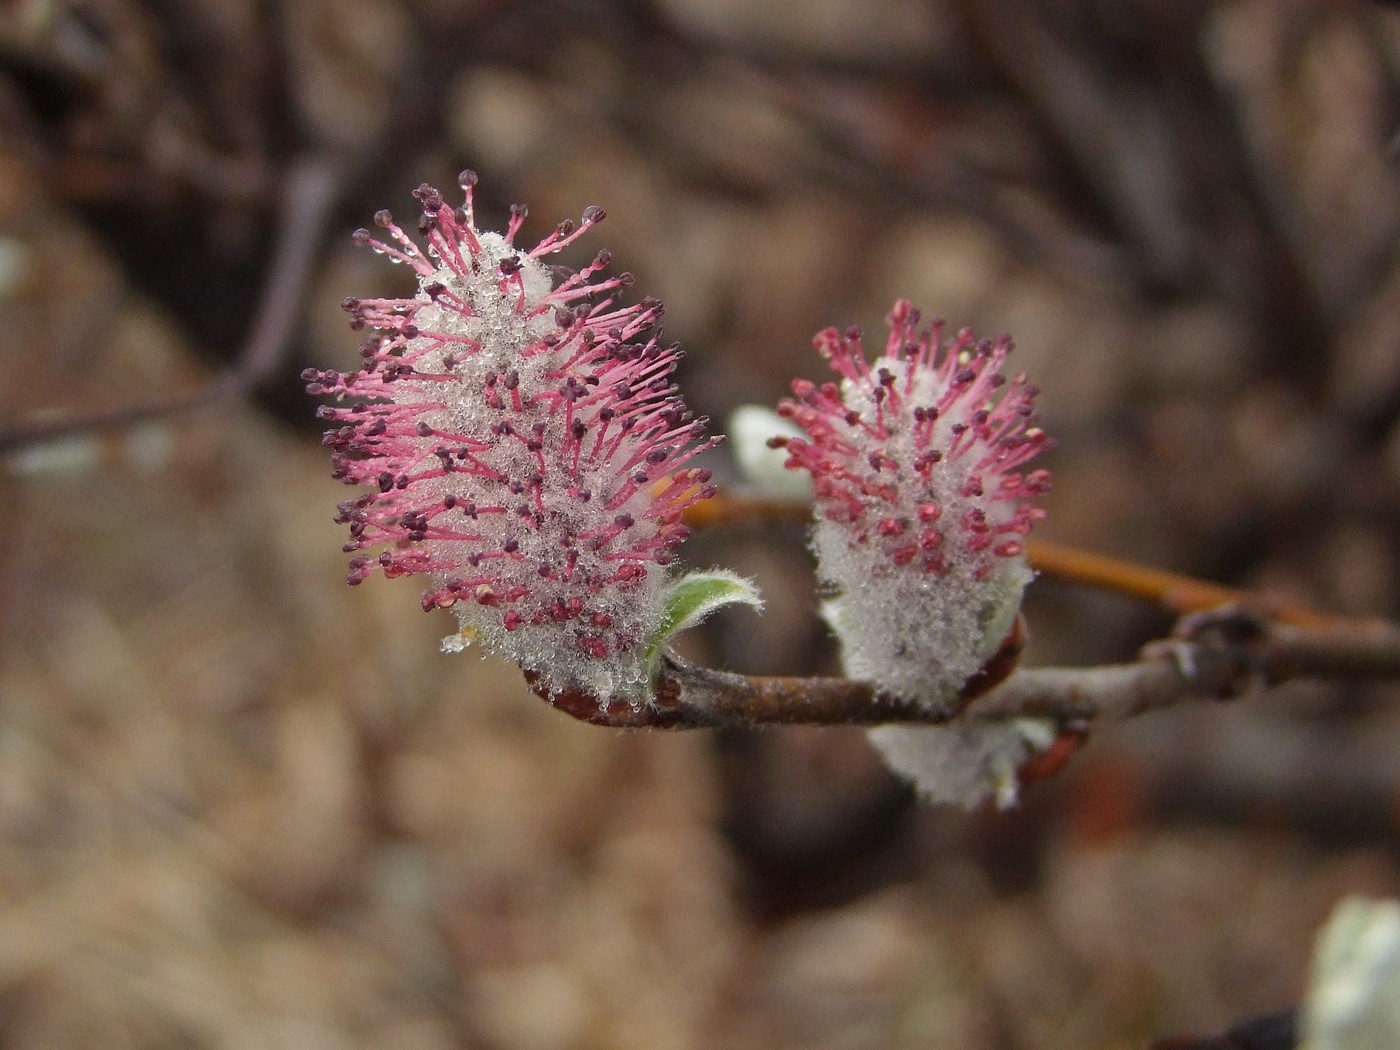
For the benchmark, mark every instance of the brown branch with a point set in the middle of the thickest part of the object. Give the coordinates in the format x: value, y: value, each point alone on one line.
x: 1174, y: 592
x: 691, y: 697
x: 738, y: 509
x: 1217, y: 655
x: 1220, y: 656
x: 309, y: 193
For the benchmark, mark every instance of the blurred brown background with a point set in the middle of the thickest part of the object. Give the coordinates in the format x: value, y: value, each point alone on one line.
x: 243, y: 806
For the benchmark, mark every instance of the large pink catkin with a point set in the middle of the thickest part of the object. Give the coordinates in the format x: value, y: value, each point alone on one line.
x: 522, y: 442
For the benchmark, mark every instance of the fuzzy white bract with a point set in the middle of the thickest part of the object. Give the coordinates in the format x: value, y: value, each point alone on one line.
x: 964, y: 763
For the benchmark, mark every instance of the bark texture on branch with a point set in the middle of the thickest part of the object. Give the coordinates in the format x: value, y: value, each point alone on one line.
x: 1213, y: 656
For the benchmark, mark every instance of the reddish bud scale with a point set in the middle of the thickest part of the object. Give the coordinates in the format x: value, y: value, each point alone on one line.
x: 522, y: 445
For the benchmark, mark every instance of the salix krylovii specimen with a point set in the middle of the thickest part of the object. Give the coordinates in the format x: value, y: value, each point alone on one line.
x: 524, y: 450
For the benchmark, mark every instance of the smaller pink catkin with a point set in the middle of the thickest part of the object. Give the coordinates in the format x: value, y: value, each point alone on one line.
x: 921, y: 500
x: 522, y: 443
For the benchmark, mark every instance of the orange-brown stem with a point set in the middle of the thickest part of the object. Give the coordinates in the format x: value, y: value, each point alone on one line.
x: 1175, y: 592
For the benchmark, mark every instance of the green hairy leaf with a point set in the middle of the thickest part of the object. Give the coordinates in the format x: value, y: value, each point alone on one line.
x: 692, y: 598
